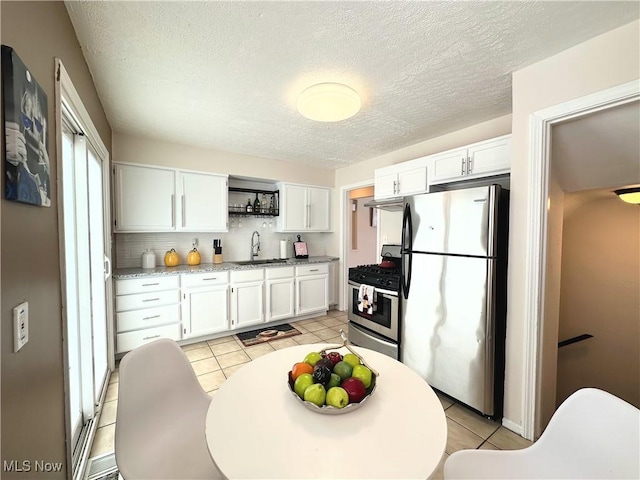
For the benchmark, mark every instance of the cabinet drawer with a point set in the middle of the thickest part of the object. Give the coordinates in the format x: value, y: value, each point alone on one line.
x: 282, y: 272
x: 147, y: 317
x: 130, y: 340
x: 146, y: 300
x: 147, y: 284
x: 204, y: 279
x: 315, y: 269
x: 255, y: 275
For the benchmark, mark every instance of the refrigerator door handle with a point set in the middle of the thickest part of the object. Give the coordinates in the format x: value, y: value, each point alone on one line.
x: 407, y: 250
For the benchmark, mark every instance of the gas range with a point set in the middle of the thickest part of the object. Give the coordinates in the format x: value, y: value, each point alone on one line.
x: 374, y: 275
x: 378, y: 276
x: 377, y: 326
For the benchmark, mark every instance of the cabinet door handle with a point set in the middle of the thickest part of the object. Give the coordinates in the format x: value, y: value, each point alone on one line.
x: 151, y: 318
x: 183, y: 202
x: 151, y: 300
x: 314, y: 270
x: 149, y: 284
x: 463, y: 166
x: 173, y: 211
x: 149, y: 338
x: 210, y: 278
x: 308, y: 215
x: 469, y: 165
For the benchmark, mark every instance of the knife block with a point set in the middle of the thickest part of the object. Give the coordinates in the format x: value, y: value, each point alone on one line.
x: 217, y: 258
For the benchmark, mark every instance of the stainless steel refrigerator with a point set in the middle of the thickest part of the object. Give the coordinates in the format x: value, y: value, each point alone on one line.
x: 454, y: 265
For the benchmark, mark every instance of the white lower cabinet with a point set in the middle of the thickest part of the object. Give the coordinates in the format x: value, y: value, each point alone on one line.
x: 193, y: 305
x: 312, y: 288
x: 129, y: 340
x: 205, y: 303
x: 247, y: 288
x: 280, y: 293
x: 333, y: 284
x: 146, y: 309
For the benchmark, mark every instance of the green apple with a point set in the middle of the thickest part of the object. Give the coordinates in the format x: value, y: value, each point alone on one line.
x: 315, y: 394
x: 363, y: 374
x: 335, y: 381
x: 312, y: 358
x: 343, y: 369
x: 302, y: 383
x: 351, y: 359
x: 337, y: 397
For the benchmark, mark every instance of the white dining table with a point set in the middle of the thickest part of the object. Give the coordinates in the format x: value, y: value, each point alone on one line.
x: 257, y: 429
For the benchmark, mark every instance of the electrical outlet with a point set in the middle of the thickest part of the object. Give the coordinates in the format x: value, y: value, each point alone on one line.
x: 194, y: 242
x: 20, y: 326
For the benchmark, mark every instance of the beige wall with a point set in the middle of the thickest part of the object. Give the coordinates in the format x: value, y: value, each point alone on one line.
x: 601, y: 295
x: 600, y: 63
x: 128, y: 148
x: 33, y: 412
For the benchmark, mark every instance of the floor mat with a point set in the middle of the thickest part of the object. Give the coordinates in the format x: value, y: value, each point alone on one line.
x: 261, y: 335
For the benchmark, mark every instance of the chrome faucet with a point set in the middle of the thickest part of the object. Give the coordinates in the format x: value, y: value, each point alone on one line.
x: 255, y: 245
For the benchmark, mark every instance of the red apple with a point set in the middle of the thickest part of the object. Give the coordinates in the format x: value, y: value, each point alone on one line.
x: 335, y: 357
x: 355, y: 389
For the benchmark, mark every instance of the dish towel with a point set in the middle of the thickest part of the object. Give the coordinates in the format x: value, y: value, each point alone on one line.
x: 365, y: 299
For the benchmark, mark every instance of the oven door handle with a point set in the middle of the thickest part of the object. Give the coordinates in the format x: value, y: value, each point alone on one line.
x: 406, y: 248
x: 377, y: 290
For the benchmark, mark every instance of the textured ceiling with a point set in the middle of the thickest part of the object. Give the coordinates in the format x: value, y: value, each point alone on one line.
x: 225, y: 75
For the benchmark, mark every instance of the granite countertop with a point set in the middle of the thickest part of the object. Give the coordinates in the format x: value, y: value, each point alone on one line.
x: 122, y: 273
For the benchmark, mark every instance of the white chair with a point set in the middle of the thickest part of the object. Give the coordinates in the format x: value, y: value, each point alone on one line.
x: 593, y: 434
x: 160, y: 424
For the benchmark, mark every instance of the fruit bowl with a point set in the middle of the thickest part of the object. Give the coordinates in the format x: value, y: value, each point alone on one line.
x: 328, y: 409
x: 328, y: 383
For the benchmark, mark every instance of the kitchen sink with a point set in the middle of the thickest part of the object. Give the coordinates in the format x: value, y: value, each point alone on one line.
x: 261, y: 262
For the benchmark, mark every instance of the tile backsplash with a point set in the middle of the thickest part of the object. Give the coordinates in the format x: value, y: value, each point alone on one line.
x: 235, y: 243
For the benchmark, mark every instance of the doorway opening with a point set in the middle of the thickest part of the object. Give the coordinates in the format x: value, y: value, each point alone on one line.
x: 542, y: 289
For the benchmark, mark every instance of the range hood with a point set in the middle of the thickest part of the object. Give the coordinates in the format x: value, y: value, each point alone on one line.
x: 389, y: 204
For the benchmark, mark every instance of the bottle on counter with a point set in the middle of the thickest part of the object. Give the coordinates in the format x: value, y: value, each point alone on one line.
x: 249, y: 207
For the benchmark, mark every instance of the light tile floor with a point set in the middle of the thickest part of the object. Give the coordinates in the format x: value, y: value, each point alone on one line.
x: 216, y: 360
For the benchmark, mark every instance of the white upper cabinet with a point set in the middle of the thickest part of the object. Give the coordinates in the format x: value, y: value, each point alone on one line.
x: 407, y: 178
x: 203, y: 202
x: 144, y: 199
x: 156, y: 199
x: 303, y: 208
x: 482, y: 159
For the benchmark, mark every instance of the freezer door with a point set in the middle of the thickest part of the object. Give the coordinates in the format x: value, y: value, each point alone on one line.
x: 447, y: 328
x: 454, y: 222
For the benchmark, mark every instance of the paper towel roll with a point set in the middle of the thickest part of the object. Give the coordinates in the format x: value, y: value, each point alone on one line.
x: 283, y: 249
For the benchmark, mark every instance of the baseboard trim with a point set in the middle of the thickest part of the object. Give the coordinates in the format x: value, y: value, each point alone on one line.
x: 511, y: 425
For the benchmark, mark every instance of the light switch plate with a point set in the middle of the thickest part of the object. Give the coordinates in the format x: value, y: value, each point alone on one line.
x: 20, y: 326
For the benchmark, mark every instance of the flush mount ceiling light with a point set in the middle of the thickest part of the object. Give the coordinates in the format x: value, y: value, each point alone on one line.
x: 629, y: 195
x: 329, y: 102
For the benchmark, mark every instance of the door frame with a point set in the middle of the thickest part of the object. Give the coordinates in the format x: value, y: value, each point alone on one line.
x: 344, y: 218
x: 65, y: 93
x: 539, y: 157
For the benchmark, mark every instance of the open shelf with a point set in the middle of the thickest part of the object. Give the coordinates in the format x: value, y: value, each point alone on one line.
x: 239, y: 209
